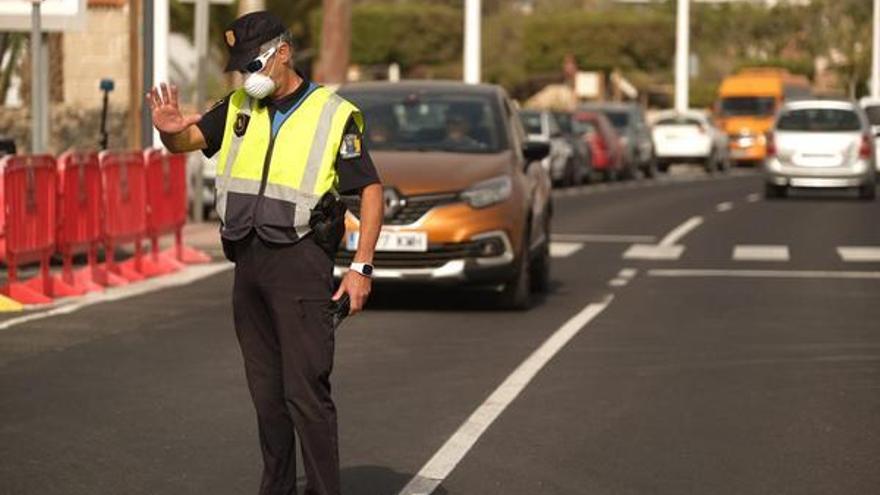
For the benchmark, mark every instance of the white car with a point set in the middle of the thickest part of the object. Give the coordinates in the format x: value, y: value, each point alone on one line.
x: 820, y: 144
x: 871, y: 106
x: 689, y: 137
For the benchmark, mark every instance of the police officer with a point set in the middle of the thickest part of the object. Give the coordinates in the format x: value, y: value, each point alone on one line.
x: 286, y: 146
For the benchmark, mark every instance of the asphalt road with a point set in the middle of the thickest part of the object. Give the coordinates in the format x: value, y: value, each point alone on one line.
x: 735, y: 350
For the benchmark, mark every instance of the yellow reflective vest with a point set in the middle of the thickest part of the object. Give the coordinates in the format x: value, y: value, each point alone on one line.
x: 298, y: 163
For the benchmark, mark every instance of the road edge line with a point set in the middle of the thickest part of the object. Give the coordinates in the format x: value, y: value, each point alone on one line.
x: 435, y: 471
x: 189, y: 275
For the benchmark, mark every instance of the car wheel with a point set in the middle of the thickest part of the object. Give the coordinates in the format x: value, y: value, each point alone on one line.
x: 540, y: 276
x: 772, y: 191
x: 517, y: 292
x: 663, y: 167
x: 651, y: 168
x: 711, y: 165
x: 610, y: 175
x: 868, y: 192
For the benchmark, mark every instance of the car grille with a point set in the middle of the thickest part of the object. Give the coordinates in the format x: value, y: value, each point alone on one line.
x: 437, y: 255
x: 412, y: 210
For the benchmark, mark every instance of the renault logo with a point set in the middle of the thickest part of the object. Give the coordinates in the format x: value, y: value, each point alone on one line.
x: 393, y: 203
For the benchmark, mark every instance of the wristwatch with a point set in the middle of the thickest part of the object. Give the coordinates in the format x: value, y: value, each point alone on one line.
x: 364, y: 269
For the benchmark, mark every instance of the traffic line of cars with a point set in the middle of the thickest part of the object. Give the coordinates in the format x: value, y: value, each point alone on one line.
x: 613, y: 141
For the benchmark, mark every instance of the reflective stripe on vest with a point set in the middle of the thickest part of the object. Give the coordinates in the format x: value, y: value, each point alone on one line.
x: 303, y: 153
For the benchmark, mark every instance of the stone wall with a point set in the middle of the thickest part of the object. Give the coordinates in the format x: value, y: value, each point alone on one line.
x: 99, y: 51
x: 71, y: 126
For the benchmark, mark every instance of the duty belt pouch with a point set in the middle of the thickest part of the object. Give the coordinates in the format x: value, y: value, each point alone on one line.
x: 327, y: 222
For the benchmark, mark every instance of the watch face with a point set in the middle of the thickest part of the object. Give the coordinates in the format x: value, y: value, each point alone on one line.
x: 368, y: 269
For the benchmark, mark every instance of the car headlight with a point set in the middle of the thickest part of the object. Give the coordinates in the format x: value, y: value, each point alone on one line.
x: 488, y: 192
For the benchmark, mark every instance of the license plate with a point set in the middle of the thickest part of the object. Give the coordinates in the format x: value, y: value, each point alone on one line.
x: 393, y: 241
x: 738, y: 153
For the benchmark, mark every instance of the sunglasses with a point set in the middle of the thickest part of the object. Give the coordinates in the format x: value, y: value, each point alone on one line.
x: 257, y: 64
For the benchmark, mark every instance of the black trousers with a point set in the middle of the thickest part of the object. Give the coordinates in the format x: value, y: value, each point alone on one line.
x: 281, y: 302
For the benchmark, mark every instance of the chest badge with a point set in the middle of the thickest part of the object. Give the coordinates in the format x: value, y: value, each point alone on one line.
x: 241, y: 123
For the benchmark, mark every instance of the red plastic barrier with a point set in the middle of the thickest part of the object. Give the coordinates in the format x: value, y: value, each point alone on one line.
x: 79, y: 218
x: 30, y: 194
x: 166, y: 210
x: 125, y: 215
x: 2, y: 215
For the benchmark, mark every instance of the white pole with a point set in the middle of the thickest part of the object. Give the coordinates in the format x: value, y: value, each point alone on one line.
x: 37, y: 80
x: 472, y: 9
x: 682, y: 54
x: 875, y: 53
x: 160, y: 49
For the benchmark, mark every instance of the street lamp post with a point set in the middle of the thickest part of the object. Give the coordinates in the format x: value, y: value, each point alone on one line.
x: 682, y: 54
x: 472, y: 14
x: 875, y: 53
x: 38, y: 108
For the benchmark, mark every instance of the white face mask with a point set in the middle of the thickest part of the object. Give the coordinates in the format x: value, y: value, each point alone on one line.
x: 257, y: 84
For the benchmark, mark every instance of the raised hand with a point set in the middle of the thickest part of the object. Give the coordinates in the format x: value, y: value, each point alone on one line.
x: 166, y: 110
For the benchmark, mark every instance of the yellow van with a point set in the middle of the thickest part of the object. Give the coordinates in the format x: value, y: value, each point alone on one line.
x: 747, y: 103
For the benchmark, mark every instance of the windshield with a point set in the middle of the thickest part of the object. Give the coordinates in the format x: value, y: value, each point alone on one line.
x: 457, y: 123
x: 819, y: 120
x: 531, y: 122
x: 620, y: 120
x: 748, y: 106
x: 873, y: 114
x: 564, y: 122
x: 583, y: 127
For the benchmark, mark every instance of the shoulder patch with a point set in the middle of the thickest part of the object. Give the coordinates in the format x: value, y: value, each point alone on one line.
x: 219, y: 102
x: 351, y: 146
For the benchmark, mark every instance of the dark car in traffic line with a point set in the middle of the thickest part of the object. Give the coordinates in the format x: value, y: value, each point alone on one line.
x: 629, y: 121
x: 467, y: 202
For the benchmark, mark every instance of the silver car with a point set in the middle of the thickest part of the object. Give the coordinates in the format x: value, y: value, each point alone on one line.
x: 820, y: 144
x: 541, y: 126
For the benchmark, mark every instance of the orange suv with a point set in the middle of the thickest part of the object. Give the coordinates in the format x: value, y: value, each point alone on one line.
x: 466, y: 199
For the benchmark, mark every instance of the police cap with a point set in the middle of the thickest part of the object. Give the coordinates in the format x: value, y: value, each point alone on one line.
x: 247, y: 33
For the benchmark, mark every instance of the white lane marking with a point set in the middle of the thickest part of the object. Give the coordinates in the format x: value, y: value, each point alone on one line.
x: 725, y: 206
x: 602, y: 238
x: 753, y: 198
x: 564, y: 249
x: 756, y: 252
x: 682, y: 230
x: 857, y: 254
x: 623, y: 277
x: 800, y: 274
x: 653, y: 252
x: 457, y: 446
x: 187, y: 276
x: 667, y: 248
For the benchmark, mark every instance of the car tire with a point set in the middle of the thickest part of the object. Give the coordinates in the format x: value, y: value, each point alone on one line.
x: 663, y: 167
x: 517, y: 292
x: 540, y: 276
x: 772, y: 191
x: 711, y: 165
x: 610, y: 175
x: 651, y: 168
x: 868, y: 192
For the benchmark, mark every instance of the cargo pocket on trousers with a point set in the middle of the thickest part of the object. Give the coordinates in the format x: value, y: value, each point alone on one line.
x: 318, y: 323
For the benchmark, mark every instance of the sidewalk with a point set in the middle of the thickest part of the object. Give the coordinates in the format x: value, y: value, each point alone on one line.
x: 204, y: 236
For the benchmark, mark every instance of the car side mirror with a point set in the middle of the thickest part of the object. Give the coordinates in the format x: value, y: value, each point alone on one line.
x: 535, y: 150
